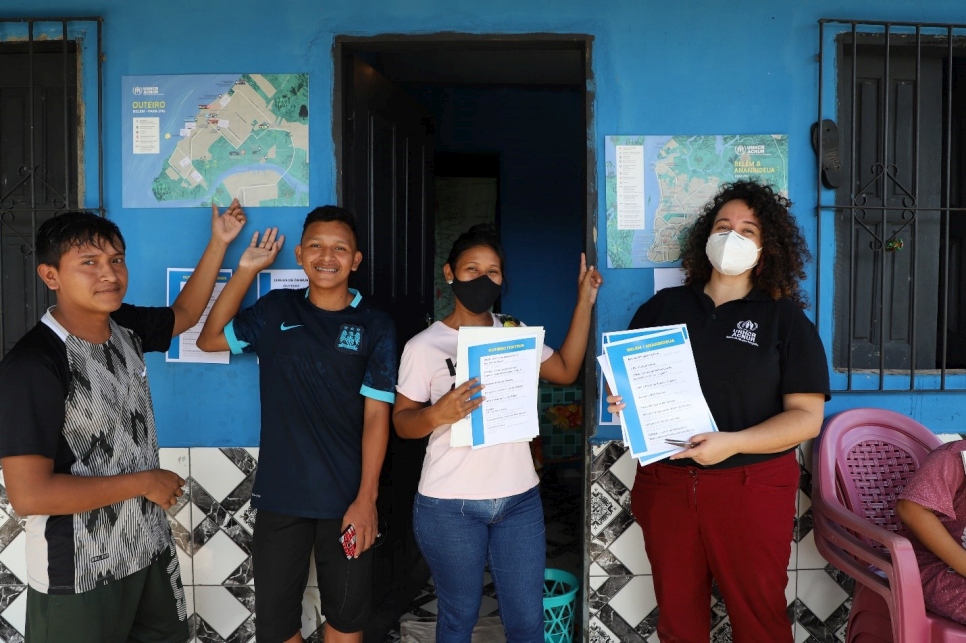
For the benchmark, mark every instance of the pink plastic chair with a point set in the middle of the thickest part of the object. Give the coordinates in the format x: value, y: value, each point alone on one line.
x: 863, y: 460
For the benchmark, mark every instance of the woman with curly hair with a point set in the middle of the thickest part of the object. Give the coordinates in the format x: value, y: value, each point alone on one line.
x: 724, y: 509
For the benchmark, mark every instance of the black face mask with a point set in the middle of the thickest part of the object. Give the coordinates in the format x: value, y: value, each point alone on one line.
x: 477, y: 295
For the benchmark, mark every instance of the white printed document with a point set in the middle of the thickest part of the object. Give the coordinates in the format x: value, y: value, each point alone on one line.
x: 506, y: 361
x: 653, y: 370
x: 184, y: 348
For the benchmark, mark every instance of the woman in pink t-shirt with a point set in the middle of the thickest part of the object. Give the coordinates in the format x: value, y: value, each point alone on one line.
x: 933, y: 509
x: 479, y: 506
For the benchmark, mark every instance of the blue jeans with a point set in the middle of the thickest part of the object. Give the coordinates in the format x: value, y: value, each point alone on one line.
x: 458, y: 537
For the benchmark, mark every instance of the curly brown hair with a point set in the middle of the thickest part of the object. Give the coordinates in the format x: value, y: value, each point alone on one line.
x: 784, y: 252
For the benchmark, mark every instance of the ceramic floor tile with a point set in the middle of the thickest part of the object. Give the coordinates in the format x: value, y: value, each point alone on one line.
x: 807, y: 453
x: 14, y: 557
x: 596, y: 581
x: 602, y: 509
x: 818, y: 592
x: 804, y: 503
x: 246, y: 517
x: 16, y: 612
x: 791, y: 587
x: 808, y: 556
x: 597, y: 632
x: 312, y: 619
x: 636, y: 600
x: 215, y: 561
x: 176, y: 460
x: 219, y: 609
x: 629, y: 550
x: 215, y: 472
x: 625, y: 469
x: 187, y: 567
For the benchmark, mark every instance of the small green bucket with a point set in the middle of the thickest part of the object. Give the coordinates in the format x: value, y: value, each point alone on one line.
x: 559, y: 596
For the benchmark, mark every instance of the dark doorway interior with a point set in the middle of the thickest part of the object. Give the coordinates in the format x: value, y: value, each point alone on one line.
x: 436, y: 133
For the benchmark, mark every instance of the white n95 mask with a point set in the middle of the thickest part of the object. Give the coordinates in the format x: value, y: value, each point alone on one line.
x: 730, y: 253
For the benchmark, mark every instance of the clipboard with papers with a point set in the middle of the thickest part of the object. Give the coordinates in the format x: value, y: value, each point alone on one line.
x: 507, y: 362
x: 653, y: 371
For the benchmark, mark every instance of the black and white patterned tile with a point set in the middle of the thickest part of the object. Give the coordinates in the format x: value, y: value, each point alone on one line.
x: 212, y: 527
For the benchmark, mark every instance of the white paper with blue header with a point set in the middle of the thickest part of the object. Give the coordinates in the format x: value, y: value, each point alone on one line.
x: 653, y: 370
x: 184, y: 348
x: 507, y: 362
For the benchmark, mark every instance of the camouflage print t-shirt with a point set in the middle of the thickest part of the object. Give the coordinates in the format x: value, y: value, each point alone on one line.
x: 87, y: 407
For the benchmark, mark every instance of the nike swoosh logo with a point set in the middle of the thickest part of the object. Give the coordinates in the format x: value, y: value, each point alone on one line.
x: 284, y: 327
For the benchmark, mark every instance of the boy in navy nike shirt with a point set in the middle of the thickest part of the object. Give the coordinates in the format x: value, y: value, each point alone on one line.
x: 327, y: 366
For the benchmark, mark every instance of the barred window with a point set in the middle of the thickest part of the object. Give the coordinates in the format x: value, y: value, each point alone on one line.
x: 891, y: 148
x: 50, y: 122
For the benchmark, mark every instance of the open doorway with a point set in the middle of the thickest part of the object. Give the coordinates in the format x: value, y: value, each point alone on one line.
x: 434, y: 134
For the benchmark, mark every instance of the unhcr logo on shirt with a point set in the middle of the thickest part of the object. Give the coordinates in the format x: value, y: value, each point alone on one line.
x: 349, y: 338
x: 745, y: 331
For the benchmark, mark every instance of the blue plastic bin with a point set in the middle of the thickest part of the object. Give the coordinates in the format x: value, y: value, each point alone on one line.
x: 559, y: 596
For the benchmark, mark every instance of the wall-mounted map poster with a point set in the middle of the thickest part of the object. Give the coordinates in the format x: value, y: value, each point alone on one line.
x: 191, y: 140
x: 656, y: 186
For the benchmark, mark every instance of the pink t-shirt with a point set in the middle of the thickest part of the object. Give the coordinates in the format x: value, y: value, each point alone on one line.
x: 938, y: 486
x: 427, y: 371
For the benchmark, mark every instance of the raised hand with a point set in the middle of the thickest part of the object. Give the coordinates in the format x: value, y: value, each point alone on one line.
x: 589, y: 281
x: 260, y: 255
x: 226, y: 226
x: 163, y: 487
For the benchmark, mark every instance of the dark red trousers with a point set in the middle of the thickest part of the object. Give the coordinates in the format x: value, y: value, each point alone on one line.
x: 733, y: 525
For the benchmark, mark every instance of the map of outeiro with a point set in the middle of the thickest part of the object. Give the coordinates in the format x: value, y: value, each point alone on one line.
x: 192, y: 140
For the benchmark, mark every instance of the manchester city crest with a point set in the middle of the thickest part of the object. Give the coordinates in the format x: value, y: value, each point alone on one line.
x: 350, y: 338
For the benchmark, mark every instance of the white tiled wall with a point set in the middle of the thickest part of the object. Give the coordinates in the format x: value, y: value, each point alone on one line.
x: 212, y: 526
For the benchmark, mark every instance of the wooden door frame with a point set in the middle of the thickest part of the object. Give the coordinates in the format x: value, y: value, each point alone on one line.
x: 345, y: 45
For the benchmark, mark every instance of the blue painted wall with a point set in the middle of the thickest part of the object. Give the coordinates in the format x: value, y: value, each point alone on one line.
x: 701, y: 66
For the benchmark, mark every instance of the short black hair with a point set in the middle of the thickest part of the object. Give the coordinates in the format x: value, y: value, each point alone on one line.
x: 331, y: 213
x: 74, y: 229
x: 482, y: 234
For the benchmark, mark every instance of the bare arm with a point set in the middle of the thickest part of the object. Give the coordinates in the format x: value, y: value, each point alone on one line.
x: 194, y: 297
x: 931, y: 533
x: 414, y: 420
x: 34, y: 488
x: 564, y: 365
x: 256, y: 257
x: 375, y: 438
x: 801, y: 420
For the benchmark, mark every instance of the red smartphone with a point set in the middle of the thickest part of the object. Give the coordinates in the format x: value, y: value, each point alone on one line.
x: 348, y: 541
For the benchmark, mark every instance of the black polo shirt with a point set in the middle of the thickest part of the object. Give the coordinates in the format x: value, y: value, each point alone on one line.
x: 749, y: 353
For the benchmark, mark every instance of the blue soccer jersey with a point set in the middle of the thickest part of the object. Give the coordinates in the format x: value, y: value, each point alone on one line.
x: 316, y: 369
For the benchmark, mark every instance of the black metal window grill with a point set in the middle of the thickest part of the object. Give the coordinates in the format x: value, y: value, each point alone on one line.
x: 51, y: 150
x: 891, y: 201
